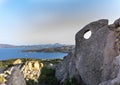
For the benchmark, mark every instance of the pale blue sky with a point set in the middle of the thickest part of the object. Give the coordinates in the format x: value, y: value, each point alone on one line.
x: 51, y: 21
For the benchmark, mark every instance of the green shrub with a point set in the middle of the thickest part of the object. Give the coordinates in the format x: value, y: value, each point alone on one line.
x: 72, y: 81
x: 47, y: 77
x: 67, y: 82
x: 31, y: 82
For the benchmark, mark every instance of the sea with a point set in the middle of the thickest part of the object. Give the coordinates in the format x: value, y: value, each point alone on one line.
x: 14, y: 53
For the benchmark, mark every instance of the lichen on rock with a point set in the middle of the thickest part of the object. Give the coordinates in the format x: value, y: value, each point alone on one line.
x: 31, y: 70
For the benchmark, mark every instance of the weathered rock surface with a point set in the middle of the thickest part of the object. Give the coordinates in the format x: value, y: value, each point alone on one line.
x: 16, y: 78
x: 95, y: 60
x: 18, y: 72
x: 116, y: 73
x: 66, y: 68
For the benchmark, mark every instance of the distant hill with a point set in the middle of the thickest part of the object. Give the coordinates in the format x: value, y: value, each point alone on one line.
x: 41, y: 46
x: 64, y: 49
x: 6, y: 46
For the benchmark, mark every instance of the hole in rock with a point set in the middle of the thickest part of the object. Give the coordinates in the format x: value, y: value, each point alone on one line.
x: 87, y: 34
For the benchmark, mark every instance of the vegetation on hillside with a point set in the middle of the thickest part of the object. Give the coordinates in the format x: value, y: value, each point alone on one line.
x: 46, y: 62
x: 47, y: 76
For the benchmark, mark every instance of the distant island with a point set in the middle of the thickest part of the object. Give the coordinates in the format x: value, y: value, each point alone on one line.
x: 63, y: 49
x: 42, y: 47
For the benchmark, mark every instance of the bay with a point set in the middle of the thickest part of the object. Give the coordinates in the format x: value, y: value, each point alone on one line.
x: 13, y: 53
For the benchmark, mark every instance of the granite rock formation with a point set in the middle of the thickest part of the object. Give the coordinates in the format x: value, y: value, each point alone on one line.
x: 16, y: 78
x: 12, y: 76
x: 66, y: 68
x: 96, y: 60
x: 18, y: 72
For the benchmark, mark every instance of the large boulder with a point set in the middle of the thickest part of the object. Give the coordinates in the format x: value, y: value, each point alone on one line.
x: 18, y: 72
x: 13, y: 76
x: 89, y: 52
x: 16, y: 78
x: 66, y: 68
x: 95, y: 58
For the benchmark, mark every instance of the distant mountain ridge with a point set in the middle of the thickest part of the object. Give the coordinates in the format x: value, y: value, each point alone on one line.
x: 41, y: 46
x: 6, y: 46
x: 63, y: 49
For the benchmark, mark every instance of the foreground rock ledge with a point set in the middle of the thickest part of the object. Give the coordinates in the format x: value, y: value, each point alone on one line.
x: 96, y: 60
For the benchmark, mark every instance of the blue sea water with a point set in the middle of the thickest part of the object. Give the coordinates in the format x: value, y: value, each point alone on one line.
x: 13, y: 53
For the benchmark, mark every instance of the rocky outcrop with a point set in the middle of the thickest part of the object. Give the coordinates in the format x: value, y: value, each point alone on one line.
x: 16, y: 78
x: 66, y: 68
x: 115, y: 74
x: 18, y: 72
x: 96, y: 59
x: 12, y: 76
x: 32, y: 70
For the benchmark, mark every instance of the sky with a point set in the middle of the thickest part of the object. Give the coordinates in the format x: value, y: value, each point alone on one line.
x: 28, y: 22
